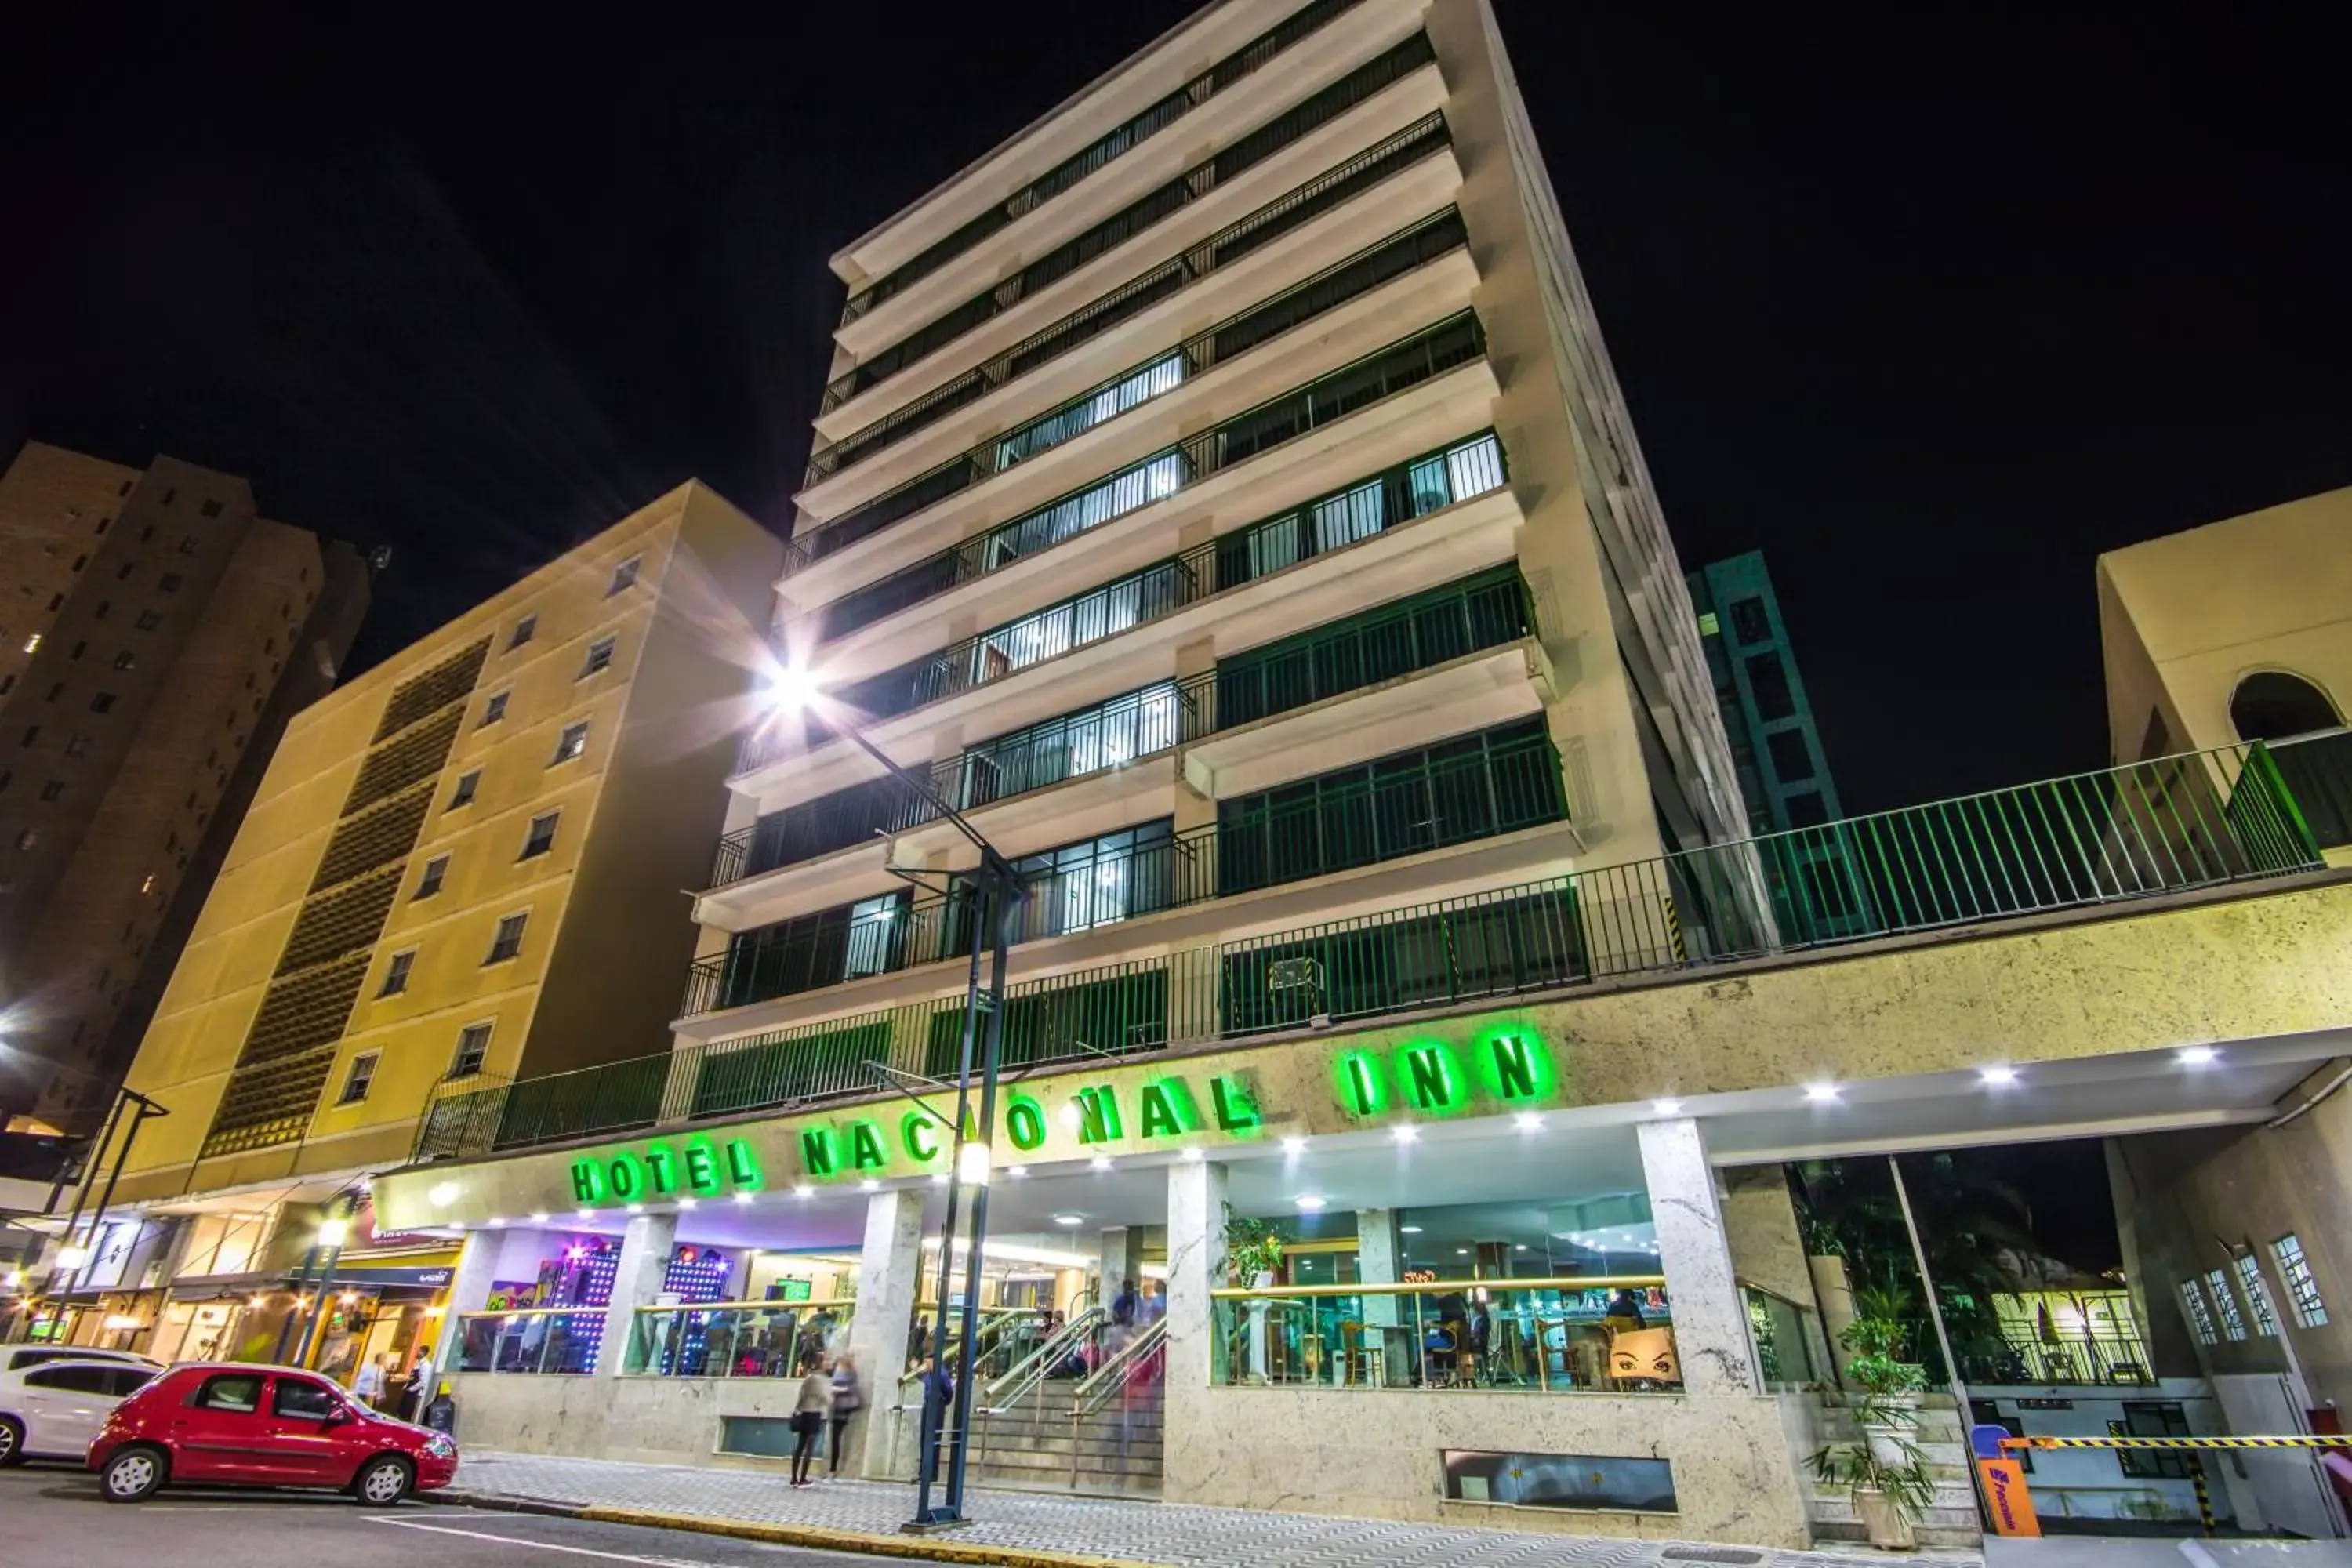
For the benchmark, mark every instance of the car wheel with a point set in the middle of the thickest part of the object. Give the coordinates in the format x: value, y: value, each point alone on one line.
x: 381, y: 1482
x: 12, y: 1442
x: 132, y: 1475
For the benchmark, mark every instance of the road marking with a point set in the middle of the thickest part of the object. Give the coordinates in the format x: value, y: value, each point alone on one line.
x: 542, y: 1545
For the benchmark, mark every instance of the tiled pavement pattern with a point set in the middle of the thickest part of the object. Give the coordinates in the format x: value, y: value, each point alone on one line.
x: 1176, y: 1535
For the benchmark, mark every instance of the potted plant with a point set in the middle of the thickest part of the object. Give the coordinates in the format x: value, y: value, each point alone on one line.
x: 1885, y: 1473
x: 1252, y: 1252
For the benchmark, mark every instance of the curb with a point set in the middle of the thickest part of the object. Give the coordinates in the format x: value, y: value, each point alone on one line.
x: 821, y: 1538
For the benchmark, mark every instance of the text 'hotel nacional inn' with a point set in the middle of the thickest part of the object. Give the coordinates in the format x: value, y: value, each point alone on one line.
x: 1223, y: 499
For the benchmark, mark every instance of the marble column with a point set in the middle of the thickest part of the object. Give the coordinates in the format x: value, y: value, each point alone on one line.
x: 470, y: 1290
x: 1378, y: 1260
x: 1118, y: 1263
x: 1196, y: 1266
x: 1711, y: 1337
x: 889, y: 1278
x: 647, y: 1244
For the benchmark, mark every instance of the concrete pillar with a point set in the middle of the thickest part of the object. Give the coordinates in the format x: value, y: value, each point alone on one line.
x: 889, y: 1276
x: 1711, y: 1322
x: 1378, y: 1260
x: 1120, y: 1262
x: 470, y: 1288
x: 1196, y: 1266
x: 645, y: 1248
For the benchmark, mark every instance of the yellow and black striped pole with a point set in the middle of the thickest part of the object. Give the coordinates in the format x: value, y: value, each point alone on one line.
x: 2196, y: 1472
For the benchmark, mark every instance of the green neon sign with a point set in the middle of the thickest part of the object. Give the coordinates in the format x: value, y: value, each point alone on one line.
x: 1507, y: 1067
x: 659, y: 1170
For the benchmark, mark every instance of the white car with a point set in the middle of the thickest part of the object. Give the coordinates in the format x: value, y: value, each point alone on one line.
x: 53, y: 1407
x: 18, y: 1358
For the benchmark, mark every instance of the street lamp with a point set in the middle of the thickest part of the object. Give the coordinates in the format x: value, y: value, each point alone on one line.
x: 793, y: 689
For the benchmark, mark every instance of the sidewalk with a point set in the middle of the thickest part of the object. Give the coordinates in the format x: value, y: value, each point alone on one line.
x: 1039, y: 1530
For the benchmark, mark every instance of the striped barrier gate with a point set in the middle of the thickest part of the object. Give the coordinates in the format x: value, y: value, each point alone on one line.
x: 2011, y: 1503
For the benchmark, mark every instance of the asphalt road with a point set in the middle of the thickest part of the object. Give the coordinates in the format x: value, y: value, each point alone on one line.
x: 53, y: 1515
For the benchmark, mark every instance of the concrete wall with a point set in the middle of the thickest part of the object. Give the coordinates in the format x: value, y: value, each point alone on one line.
x: 656, y: 1420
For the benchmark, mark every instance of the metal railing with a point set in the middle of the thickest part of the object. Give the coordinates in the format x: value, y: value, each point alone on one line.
x: 1130, y: 221
x: 1609, y: 1333
x: 2318, y: 771
x: 1095, y: 154
x: 1355, y: 512
x: 735, y: 1339
x: 562, y: 1341
x: 1337, y: 186
x: 2145, y: 830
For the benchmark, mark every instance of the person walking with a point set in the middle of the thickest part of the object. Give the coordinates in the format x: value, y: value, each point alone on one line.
x: 809, y: 1413
x: 846, y: 1402
x: 938, y: 1393
x: 368, y: 1382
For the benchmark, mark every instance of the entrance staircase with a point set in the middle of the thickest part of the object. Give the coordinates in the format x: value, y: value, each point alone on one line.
x: 1951, y: 1518
x: 1099, y: 1434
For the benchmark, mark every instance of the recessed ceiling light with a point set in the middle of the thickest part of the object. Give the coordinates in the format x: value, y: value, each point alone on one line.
x: 1016, y: 1171
x: 1460, y: 1252
x: 1522, y: 1246
x: 1294, y: 1145
x: 1409, y: 1230
x: 585, y: 1214
x: 2198, y: 1055
x: 803, y: 1191
x: 636, y: 1208
x: 493, y: 1222
x: 684, y: 1203
x: 1102, y: 1161
x: 869, y: 1185
x: 1528, y: 1122
x: 1309, y: 1201
x: 1667, y: 1107
x: 1820, y: 1094
x: 1192, y: 1153
x: 1404, y: 1133
x: 539, y: 1219
x: 939, y: 1178
x: 1999, y: 1074
x: 743, y: 1198
x: 1070, y: 1219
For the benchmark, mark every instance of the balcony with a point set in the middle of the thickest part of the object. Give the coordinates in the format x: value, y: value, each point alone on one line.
x: 2317, y: 772
x: 2101, y: 839
x: 1162, y: 374
x: 1233, y: 69
x: 1336, y: 188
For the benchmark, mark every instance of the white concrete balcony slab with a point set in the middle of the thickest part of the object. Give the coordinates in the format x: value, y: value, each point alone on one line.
x: 1477, y: 691
x: 1307, y: 66
x: 1314, y: 348
x: 1423, y: 186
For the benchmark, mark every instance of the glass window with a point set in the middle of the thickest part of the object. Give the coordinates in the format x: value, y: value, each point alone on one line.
x: 1749, y: 621
x: 299, y: 1399
x: 72, y: 1379
x: 600, y: 657
x: 624, y: 576
x: 571, y: 743
x: 2233, y: 1323
x: 1792, y: 760
x: 467, y: 783
x: 435, y: 871
x: 356, y: 1083
x: 473, y: 1049
x: 2301, y: 1288
x: 508, y: 941
x: 1768, y: 682
x: 396, y: 974
x: 522, y: 631
x: 541, y: 837
x: 494, y: 709
x: 238, y: 1391
x: 2192, y: 1302
x: 2258, y: 1295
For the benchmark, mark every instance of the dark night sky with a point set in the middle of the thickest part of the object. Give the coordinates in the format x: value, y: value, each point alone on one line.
x: 1932, y: 308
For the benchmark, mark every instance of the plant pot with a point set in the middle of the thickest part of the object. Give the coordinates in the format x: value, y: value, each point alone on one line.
x: 1889, y: 1530
x: 1889, y: 1445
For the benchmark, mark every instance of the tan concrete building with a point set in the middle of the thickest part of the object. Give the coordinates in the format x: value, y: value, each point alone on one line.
x: 156, y: 632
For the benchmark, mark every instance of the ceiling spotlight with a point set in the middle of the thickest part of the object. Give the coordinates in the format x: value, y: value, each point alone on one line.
x: 869, y: 1185
x: 1072, y: 1220
x: 743, y: 1198
x: 1016, y: 1171
x: 1407, y: 1230
x: 1294, y: 1145
x: 1820, y: 1094
x: 939, y: 1178
x: 585, y: 1214
x: 1667, y: 1107
x: 539, y: 1219
x: 1460, y: 1252
x: 1308, y: 1202
x: 1193, y: 1154
x: 2000, y: 1075
x: 2198, y: 1055
x: 686, y: 1203
x: 1404, y: 1133
x: 636, y: 1208
x: 1102, y: 1161
x: 1522, y: 1246
x: 1528, y: 1122
x: 493, y: 1222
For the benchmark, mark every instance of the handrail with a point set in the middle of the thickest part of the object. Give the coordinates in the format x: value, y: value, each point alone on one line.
x: 993, y: 1321
x: 1432, y: 1287
x: 814, y: 1304
x: 1032, y: 1369
x: 1095, y: 1388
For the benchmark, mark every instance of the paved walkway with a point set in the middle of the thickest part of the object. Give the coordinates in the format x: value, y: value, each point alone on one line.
x: 1173, y: 1535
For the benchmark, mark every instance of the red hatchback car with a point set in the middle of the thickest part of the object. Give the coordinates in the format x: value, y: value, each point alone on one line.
x: 221, y: 1424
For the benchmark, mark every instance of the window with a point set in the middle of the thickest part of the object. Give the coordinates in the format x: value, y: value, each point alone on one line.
x: 473, y: 1049
x: 571, y: 743
x: 467, y: 783
x: 2271, y: 705
x: 239, y: 1392
x: 80, y: 561
x: 2233, y: 1323
x: 1806, y: 809
x: 430, y: 883
x: 147, y: 883
x: 126, y: 659
x: 1750, y: 622
x: 188, y: 545
x: 2153, y: 1418
x: 624, y: 576
x: 2258, y: 1294
x: 104, y: 606
x: 32, y: 734
x: 541, y: 837
x: 102, y: 704
x: 600, y: 657
x: 149, y: 620
x: 53, y: 789
x: 356, y: 1081
x: 168, y: 581
x: 210, y: 508
x: 396, y: 974
x: 33, y: 643
x: 79, y: 648
x: 73, y: 1379
x: 523, y: 632
x: 508, y: 941
x: 57, y: 690
x: 76, y: 744
x: 1792, y: 760
x: 494, y: 710
x: 29, y: 838
x: 1767, y: 683
x: 2301, y: 1288
x: 2192, y: 1302
x: 299, y: 1399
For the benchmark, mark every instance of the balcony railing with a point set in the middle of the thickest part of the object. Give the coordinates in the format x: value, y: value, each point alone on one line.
x: 1387, y: 644
x: 1103, y: 150
x: 1192, y: 185
x: 1334, y: 188
x: 2317, y: 770
x: 1163, y: 372
x: 2091, y: 840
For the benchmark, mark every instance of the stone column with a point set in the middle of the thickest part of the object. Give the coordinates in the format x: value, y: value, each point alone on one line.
x: 1119, y: 1262
x: 470, y: 1288
x: 1711, y: 1322
x: 1196, y: 1265
x: 889, y: 1277
x: 645, y: 1248
x: 1377, y: 1262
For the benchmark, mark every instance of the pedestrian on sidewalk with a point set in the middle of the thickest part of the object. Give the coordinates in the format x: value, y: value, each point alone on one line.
x: 809, y: 1413
x: 368, y: 1382
x: 846, y: 1400
x: 938, y: 1393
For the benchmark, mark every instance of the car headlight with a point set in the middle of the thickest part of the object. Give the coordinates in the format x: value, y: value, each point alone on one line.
x: 440, y: 1448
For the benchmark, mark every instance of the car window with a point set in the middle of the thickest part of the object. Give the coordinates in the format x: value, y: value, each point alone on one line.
x: 72, y: 1378
x: 23, y: 1359
x: 299, y: 1399
x: 126, y: 1380
x: 238, y: 1391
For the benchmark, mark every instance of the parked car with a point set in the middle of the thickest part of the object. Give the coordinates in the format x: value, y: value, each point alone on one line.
x: 54, y: 1406
x: 17, y: 1358
x: 223, y: 1423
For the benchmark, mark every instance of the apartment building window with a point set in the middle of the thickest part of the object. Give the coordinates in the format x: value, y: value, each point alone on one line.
x: 188, y: 545
x: 1807, y: 809
x: 473, y: 1049
x: 2302, y: 1287
x: 541, y: 837
x: 1768, y: 680
x: 126, y: 659
x: 508, y: 940
x: 1792, y: 760
x: 2258, y: 1294
x: 54, y: 789
x: 1750, y: 622
x: 210, y: 508
x: 809, y: 952
x: 523, y: 632
x: 570, y: 744
x: 168, y: 581
x: 2233, y: 1322
x: 600, y: 657
x: 624, y: 576
x: 2192, y: 1302
x: 149, y: 620
x: 494, y: 710
x: 429, y: 884
x: 396, y: 974
x: 467, y: 783
x: 33, y: 643
x: 29, y: 839
x: 356, y: 1081
x: 102, y: 704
